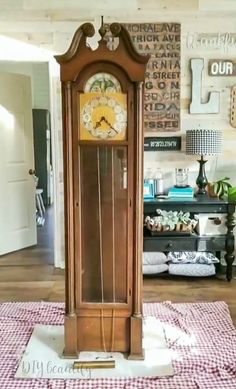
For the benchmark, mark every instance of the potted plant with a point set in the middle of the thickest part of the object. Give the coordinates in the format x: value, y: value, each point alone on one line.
x: 222, y: 189
x: 232, y: 194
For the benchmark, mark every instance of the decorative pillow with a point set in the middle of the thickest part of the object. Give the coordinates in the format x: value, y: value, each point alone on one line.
x: 192, y: 269
x: 154, y: 258
x: 155, y: 269
x: 192, y: 257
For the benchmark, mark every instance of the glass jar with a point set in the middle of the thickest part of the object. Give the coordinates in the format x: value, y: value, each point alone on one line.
x: 181, y: 177
x: 158, y: 183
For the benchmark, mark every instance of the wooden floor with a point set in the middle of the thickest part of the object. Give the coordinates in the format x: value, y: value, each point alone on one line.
x: 186, y: 289
x: 29, y: 275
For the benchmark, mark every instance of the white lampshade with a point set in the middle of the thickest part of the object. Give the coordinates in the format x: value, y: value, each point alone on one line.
x: 203, y: 142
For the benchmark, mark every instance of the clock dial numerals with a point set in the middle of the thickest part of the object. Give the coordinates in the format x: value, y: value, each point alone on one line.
x: 103, y: 116
x: 86, y: 117
x: 111, y: 103
x: 102, y: 82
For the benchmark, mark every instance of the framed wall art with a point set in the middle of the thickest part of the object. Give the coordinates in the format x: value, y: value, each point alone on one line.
x: 162, y: 78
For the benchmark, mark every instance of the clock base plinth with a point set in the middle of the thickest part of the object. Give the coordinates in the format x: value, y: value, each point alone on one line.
x: 136, y: 331
x: 137, y: 357
x: 64, y: 355
x: 103, y: 334
x: 70, y: 350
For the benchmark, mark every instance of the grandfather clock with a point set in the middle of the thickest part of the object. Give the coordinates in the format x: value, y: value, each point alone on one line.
x: 102, y: 98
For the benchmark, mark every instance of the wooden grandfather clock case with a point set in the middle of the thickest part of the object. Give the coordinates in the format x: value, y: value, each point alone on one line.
x: 102, y: 102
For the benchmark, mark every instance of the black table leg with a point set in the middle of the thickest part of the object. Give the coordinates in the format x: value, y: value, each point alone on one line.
x: 229, y: 256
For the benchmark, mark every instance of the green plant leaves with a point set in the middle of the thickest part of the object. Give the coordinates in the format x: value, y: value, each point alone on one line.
x: 232, y: 194
x: 221, y: 187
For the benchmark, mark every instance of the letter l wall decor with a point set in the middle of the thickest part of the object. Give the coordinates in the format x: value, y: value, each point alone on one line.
x: 196, y: 106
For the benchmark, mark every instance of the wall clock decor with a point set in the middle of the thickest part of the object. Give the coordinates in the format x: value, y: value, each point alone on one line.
x: 102, y: 101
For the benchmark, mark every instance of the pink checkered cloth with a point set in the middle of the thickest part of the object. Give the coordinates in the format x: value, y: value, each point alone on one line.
x: 201, y: 336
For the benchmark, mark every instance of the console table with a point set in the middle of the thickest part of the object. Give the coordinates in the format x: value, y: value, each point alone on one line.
x: 194, y: 242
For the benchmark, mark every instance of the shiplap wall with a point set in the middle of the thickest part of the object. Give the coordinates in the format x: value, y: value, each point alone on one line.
x: 38, y: 72
x: 50, y: 24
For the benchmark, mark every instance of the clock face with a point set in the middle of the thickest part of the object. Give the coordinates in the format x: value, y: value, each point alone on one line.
x: 102, y: 82
x: 103, y: 116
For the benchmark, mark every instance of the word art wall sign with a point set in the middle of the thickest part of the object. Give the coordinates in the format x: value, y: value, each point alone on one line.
x: 222, y: 67
x: 221, y: 41
x: 162, y: 79
x: 197, y: 106
x: 162, y: 143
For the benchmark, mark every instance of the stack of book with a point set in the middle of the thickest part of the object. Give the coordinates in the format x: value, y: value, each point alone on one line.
x: 178, y: 192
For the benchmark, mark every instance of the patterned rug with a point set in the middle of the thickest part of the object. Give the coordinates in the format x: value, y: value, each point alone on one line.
x: 201, y: 337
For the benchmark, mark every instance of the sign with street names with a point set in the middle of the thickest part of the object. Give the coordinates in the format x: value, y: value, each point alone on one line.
x: 162, y: 78
x: 167, y: 143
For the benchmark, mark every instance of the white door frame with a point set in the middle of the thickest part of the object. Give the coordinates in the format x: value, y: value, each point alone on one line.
x: 57, y: 160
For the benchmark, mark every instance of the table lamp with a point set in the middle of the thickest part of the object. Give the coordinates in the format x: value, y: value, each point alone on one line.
x: 203, y: 142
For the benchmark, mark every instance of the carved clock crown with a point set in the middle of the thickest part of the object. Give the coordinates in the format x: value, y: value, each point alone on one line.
x: 135, y: 63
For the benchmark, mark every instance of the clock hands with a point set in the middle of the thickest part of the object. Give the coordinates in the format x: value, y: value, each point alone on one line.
x: 103, y: 119
x: 98, y: 124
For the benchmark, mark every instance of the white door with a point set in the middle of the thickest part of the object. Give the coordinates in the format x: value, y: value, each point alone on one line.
x: 17, y: 188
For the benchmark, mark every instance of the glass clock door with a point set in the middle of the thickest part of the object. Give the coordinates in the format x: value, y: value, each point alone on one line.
x: 104, y: 223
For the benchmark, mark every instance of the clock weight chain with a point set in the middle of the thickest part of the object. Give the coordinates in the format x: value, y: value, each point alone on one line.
x: 101, y: 251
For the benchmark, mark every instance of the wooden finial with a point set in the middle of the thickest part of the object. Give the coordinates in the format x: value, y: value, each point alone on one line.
x: 102, y: 30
